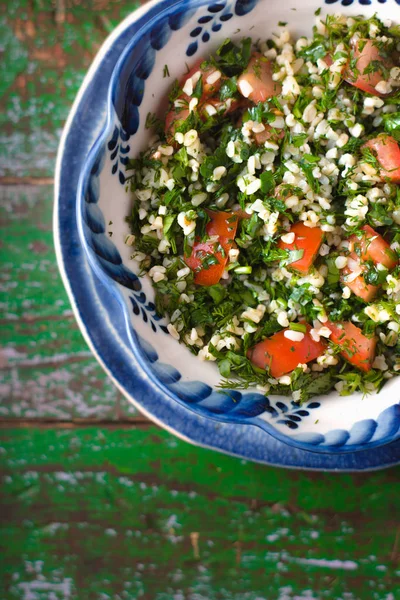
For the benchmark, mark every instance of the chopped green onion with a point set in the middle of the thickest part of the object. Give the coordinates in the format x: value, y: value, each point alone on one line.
x: 243, y: 270
x: 282, y: 302
x: 298, y: 327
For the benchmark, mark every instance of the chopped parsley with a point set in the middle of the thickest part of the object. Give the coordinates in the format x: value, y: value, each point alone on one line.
x: 220, y: 192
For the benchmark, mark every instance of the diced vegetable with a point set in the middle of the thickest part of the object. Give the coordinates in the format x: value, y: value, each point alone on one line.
x: 269, y: 134
x: 222, y: 107
x: 205, y: 71
x: 205, y: 84
x: 207, y: 90
x: 208, y: 258
x: 256, y: 81
x: 371, y: 246
x: 173, y: 117
x: 223, y: 224
x: 307, y: 242
x: 280, y: 355
x: 388, y: 154
x: 242, y: 214
x: 367, y: 246
x: 353, y: 278
x: 358, y: 349
x: 363, y: 71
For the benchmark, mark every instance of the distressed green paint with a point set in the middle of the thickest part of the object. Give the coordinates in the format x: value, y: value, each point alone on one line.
x: 111, y: 514
x: 17, y: 56
x: 96, y: 514
x: 47, y: 369
x: 42, y: 68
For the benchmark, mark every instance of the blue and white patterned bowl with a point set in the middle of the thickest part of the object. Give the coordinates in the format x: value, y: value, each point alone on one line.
x: 175, y: 33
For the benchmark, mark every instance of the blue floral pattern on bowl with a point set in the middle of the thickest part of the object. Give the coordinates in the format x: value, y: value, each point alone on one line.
x: 361, y: 2
x: 108, y: 158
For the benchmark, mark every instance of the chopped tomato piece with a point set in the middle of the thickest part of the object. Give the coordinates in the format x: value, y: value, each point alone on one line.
x: 209, y: 101
x: 307, y: 240
x: 256, y: 81
x: 242, y: 214
x: 358, y: 349
x: 366, y: 53
x: 209, y: 89
x: 200, y: 253
x: 388, y: 154
x: 371, y: 246
x: 269, y: 134
x: 226, y: 107
x: 223, y: 227
x: 172, y: 117
x: 223, y: 224
x: 357, y: 283
x: 281, y: 355
x: 211, y: 79
x: 362, y: 289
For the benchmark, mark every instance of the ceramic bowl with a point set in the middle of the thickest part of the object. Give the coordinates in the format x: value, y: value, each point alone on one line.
x: 175, y: 34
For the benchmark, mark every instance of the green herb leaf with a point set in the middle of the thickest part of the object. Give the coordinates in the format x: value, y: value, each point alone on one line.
x: 307, y: 169
x: 217, y: 293
x: 333, y: 272
x: 198, y: 89
x: 228, y: 89
x: 314, y: 51
x: 298, y: 139
x: 294, y: 255
x: 168, y: 221
x: 267, y: 182
x: 392, y: 124
x: 201, y: 223
x: 234, y: 59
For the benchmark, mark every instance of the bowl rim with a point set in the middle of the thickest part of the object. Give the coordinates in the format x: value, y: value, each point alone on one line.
x: 158, y: 386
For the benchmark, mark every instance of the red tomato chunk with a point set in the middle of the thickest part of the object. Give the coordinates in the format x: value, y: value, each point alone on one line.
x: 256, y: 82
x: 223, y: 225
x: 357, y: 348
x: 209, y: 101
x: 388, y: 154
x: 358, y: 285
x: 365, y: 52
x: 371, y: 246
x: 280, y: 355
x: 308, y: 240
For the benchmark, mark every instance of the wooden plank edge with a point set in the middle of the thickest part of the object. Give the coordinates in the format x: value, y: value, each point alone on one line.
x: 139, y: 421
x: 9, y: 180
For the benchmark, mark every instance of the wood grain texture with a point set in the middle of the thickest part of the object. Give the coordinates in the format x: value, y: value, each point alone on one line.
x: 121, y: 510
x: 46, y: 369
x: 129, y: 514
x: 47, y: 48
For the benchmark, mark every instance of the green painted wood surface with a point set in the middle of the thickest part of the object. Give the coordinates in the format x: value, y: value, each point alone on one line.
x: 122, y: 512
x: 47, y: 368
x: 129, y: 514
x: 45, y: 56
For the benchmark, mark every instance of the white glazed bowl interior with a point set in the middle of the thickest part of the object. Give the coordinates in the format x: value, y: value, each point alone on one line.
x: 176, y: 34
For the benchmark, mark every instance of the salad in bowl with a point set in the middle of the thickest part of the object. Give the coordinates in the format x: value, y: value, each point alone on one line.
x: 243, y: 205
x: 267, y: 209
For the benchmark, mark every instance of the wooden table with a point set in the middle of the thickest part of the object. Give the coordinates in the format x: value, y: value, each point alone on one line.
x: 96, y: 502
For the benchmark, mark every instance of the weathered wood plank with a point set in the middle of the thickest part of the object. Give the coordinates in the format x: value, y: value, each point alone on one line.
x: 139, y: 514
x: 44, y: 61
x: 47, y: 369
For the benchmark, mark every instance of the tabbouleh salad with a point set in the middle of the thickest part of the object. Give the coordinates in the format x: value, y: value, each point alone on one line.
x: 267, y: 209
